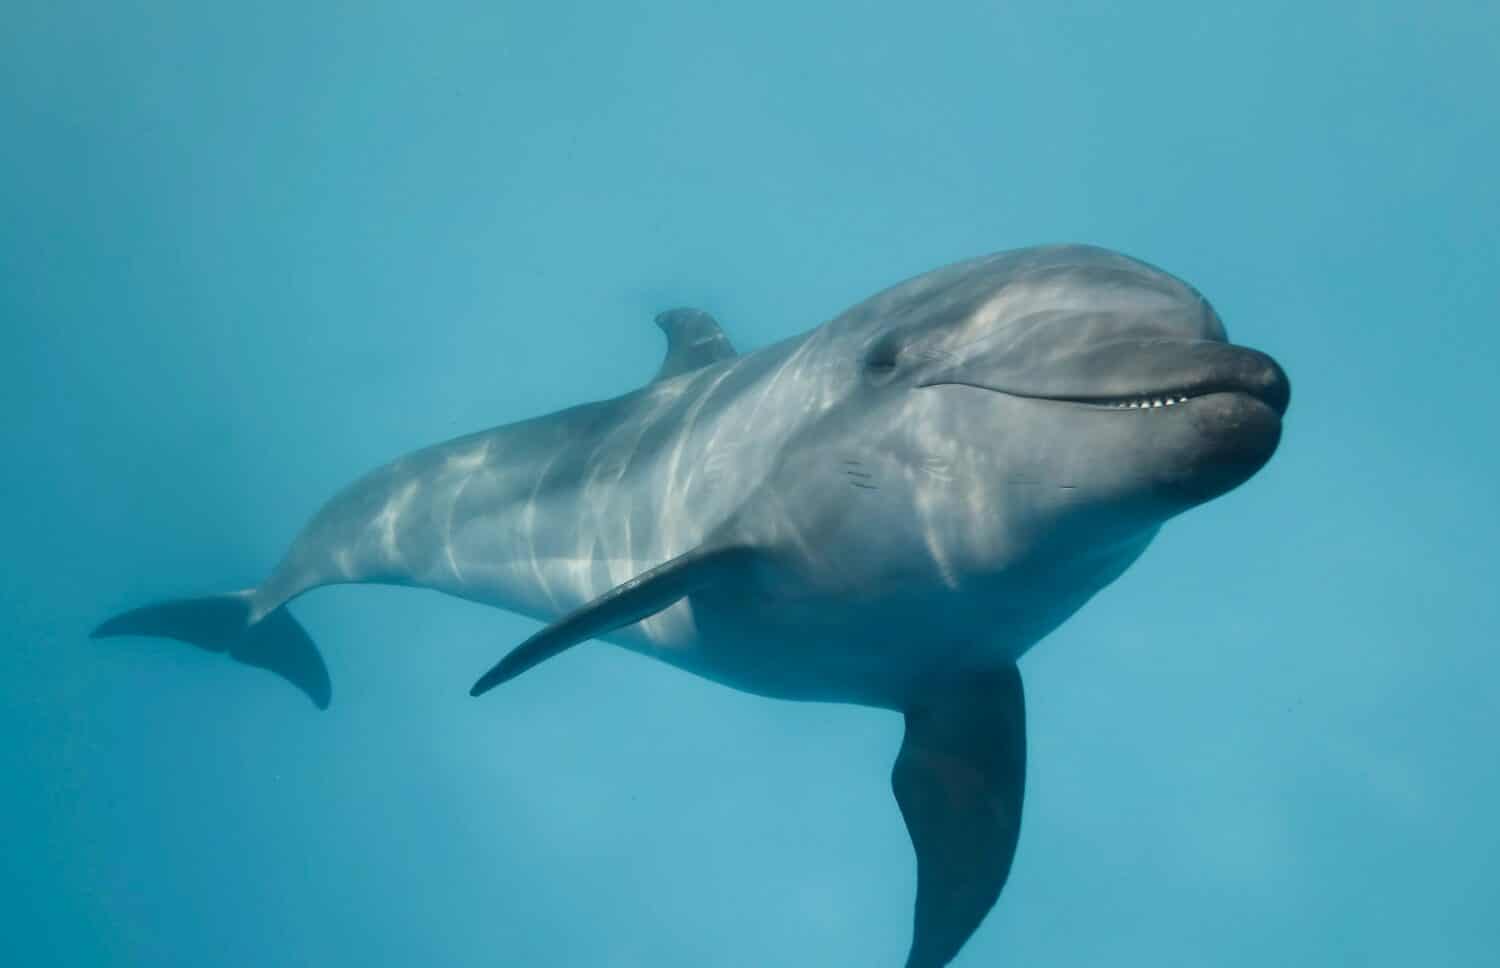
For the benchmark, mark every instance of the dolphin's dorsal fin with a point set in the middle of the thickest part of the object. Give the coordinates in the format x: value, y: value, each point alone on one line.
x: 694, y: 340
x: 959, y: 781
x: 640, y: 597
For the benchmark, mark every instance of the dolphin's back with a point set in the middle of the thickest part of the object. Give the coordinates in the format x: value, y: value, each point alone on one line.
x: 455, y: 516
x: 543, y: 515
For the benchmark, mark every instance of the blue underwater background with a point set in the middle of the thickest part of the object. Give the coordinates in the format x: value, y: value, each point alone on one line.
x: 249, y: 251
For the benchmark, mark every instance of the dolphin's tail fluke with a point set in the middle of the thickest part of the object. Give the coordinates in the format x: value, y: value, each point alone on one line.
x: 222, y: 623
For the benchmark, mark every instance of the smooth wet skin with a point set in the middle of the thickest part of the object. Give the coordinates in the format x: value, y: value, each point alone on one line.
x: 888, y: 510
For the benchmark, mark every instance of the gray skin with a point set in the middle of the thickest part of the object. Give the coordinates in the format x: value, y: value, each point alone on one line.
x: 888, y: 510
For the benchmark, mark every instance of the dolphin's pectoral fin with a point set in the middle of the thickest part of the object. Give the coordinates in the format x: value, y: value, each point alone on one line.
x: 221, y: 623
x: 959, y: 781
x: 694, y: 340
x: 640, y: 597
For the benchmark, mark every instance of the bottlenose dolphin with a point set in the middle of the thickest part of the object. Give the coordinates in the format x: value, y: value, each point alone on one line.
x: 887, y: 510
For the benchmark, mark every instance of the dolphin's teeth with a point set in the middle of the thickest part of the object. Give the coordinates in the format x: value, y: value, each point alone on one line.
x: 1149, y: 403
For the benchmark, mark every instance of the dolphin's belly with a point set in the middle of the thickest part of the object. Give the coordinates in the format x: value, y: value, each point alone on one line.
x: 872, y: 642
x: 841, y: 656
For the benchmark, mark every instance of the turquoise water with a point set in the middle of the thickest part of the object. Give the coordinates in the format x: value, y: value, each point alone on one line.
x: 246, y: 254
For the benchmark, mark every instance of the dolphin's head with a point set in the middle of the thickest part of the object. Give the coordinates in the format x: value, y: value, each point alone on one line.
x: 1078, y: 394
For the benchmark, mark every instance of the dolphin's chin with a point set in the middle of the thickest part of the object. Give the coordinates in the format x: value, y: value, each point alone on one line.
x: 1233, y: 435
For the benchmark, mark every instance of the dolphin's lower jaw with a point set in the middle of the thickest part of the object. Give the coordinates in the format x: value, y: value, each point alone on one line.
x: 1234, y: 435
x: 1209, y: 442
x: 1209, y: 412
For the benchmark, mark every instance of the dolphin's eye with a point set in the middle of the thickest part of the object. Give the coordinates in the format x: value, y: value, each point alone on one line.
x: 880, y: 361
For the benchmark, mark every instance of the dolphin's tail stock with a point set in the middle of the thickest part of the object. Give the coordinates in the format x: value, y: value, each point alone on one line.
x: 226, y: 623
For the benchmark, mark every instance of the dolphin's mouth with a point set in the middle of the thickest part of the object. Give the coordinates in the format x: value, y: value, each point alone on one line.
x: 1141, y: 403
x: 1137, y: 375
x: 1158, y: 401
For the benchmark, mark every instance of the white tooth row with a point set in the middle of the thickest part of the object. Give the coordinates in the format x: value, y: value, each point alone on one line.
x: 1148, y: 404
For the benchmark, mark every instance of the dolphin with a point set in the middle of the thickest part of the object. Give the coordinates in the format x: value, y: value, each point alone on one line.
x: 888, y: 510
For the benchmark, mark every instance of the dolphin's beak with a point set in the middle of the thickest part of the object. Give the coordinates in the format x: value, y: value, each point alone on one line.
x: 1123, y: 370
